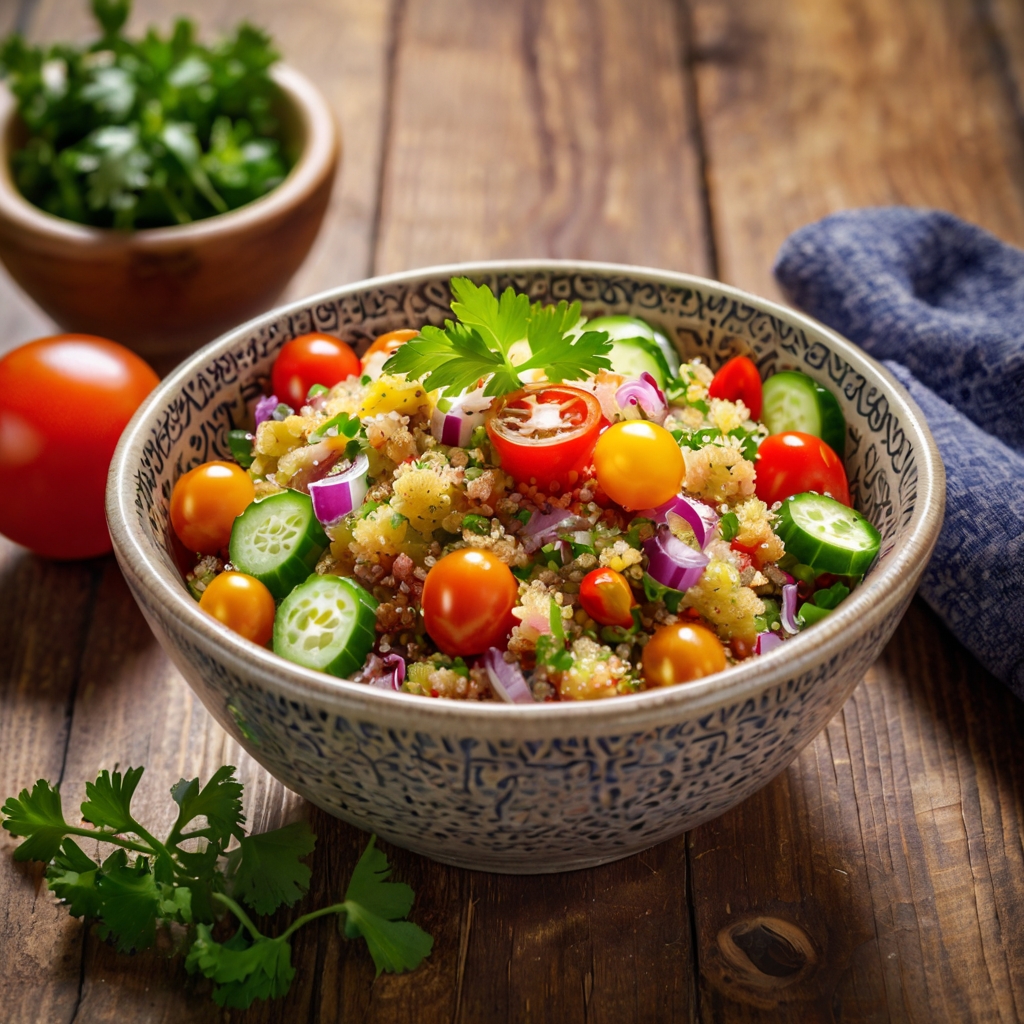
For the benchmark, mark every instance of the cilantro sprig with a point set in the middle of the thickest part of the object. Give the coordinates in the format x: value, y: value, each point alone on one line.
x: 205, y: 868
x: 479, y: 344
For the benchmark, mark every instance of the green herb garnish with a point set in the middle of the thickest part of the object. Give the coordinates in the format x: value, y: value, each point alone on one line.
x: 729, y: 525
x: 479, y: 343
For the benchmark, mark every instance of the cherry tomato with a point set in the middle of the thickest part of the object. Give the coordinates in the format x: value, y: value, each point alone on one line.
x: 792, y: 462
x: 607, y: 597
x: 638, y: 464
x: 738, y: 379
x: 242, y: 603
x: 64, y: 402
x: 545, y: 432
x: 681, y: 653
x: 311, y: 359
x: 205, y: 503
x: 386, y: 344
x: 467, y: 601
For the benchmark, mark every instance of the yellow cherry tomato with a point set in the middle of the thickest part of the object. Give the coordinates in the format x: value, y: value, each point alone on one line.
x: 205, y: 503
x: 242, y: 603
x: 681, y: 653
x: 638, y: 463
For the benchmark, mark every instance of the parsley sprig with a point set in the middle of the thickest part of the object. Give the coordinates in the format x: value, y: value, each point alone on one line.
x: 205, y: 867
x: 479, y: 344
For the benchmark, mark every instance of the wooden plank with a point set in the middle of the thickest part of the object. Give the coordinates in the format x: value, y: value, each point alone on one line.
x: 541, y: 129
x: 807, y: 108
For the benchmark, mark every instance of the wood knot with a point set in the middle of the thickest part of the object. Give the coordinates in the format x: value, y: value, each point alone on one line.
x: 767, y: 952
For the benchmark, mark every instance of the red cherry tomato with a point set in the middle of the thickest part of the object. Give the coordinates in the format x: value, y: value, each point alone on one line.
x: 64, y: 402
x: 545, y: 432
x: 205, y: 503
x: 311, y: 359
x: 468, y: 597
x: 681, y: 653
x: 607, y: 597
x: 792, y: 462
x: 739, y: 379
x: 386, y: 344
x: 243, y: 604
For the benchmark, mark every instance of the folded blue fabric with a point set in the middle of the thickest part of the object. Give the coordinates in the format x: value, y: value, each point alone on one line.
x: 944, y: 301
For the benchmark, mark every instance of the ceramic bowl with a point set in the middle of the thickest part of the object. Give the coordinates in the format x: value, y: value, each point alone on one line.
x: 164, y: 291
x: 542, y: 788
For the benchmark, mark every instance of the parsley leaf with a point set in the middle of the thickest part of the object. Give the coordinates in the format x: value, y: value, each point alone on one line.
x: 72, y: 879
x: 502, y: 321
x: 110, y: 799
x: 269, y: 870
x: 39, y: 816
x: 730, y: 526
x: 243, y: 970
x: 130, y: 902
x: 219, y: 801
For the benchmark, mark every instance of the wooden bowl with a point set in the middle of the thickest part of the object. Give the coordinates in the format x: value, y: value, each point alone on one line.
x: 548, y: 787
x: 164, y: 291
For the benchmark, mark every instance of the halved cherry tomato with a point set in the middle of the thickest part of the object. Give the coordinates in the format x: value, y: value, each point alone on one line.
x: 792, y: 462
x: 607, y: 597
x: 242, y: 603
x: 311, y: 359
x: 545, y: 432
x: 739, y: 379
x: 468, y: 597
x: 205, y: 503
x: 638, y: 464
x: 385, y: 345
x: 681, y: 653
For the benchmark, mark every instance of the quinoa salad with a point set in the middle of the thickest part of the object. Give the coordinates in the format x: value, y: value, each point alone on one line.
x: 524, y: 506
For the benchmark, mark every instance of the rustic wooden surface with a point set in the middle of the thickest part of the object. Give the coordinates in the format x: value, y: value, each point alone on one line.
x: 881, y: 877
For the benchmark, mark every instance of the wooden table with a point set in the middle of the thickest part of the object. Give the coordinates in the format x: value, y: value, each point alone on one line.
x: 882, y: 876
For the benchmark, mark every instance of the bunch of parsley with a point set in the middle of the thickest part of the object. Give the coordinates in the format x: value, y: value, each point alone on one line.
x: 148, y: 133
x: 191, y: 880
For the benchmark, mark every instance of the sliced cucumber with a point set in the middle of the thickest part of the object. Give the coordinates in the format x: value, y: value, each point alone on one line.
x: 327, y: 623
x: 636, y: 346
x: 278, y: 540
x: 794, y: 401
x: 827, y: 535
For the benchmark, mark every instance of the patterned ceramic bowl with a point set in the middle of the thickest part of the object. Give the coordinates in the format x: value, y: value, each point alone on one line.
x: 551, y: 787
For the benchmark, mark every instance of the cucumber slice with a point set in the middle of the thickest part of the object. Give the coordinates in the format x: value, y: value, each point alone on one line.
x: 794, y: 401
x: 827, y: 535
x: 636, y: 346
x: 278, y: 540
x: 327, y: 623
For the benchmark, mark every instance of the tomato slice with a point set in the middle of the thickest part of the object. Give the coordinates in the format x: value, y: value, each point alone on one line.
x: 545, y: 432
x: 738, y: 379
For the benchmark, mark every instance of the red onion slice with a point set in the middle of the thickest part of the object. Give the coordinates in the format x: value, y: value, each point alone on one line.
x: 337, y: 495
x: 673, y: 563
x: 766, y: 641
x: 788, y: 613
x: 265, y: 408
x: 542, y: 527
x: 702, y: 518
x: 507, y: 680
x: 645, y: 393
x: 393, y: 679
x: 465, y: 413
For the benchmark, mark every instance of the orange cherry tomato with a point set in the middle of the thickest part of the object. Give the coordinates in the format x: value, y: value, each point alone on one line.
x: 792, y: 462
x: 386, y: 344
x: 205, y: 503
x: 468, y: 597
x: 681, y: 653
x: 545, y: 432
x: 738, y: 379
x: 638, y: 464
x: 243, y: 604
x: 64, y: 402
x: 311, y: 359
x: 607, y: 597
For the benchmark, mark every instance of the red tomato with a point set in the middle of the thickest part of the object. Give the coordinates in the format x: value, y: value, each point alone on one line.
x: 205, y: 503
x: 681, y: 653
x: 64, y: 402
x: 792, y: 462
x: 311, y: 359
x: 467, y: 601
x: 607, y: 597
x: 386, y: 344
x: 243, y: 604
x: 545, y: 432
x: 738, y: 379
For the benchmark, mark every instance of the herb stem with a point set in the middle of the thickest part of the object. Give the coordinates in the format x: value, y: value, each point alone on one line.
x: 335, y: 908
x: 242, y: 915
x: 109, y: 837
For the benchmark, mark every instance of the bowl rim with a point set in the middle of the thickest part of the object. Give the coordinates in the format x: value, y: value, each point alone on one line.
x: 318, y: 159
x: 869, y: 605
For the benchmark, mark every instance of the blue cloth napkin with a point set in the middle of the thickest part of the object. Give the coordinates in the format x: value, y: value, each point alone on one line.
x: 942, y: 303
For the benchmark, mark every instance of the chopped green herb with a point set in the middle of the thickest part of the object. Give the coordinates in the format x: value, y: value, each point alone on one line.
x: 476, y: 524
x: 282, y: 412
x: 315, y: 391
x: 240, y: 444
x: 729, y: 524
x: 654, y: 591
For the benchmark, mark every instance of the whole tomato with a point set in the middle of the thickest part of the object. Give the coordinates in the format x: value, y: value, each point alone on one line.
x: 311, y: 359
x: 792, y: 462
x: 468, y: 597
x: 64, y: 402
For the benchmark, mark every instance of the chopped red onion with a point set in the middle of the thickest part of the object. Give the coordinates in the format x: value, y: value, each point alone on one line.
x: 766, y: 641
x: 393, y: 679
x: 542, y: 527
x: 465, y: 413
x: 702, y: 518
x: 673, y: 563
x: 336, y: 495
x: 565, y: 550
x: 788, y: 613
x: 265, y: 408
x: 645, y: 393
x: 507, y: 680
